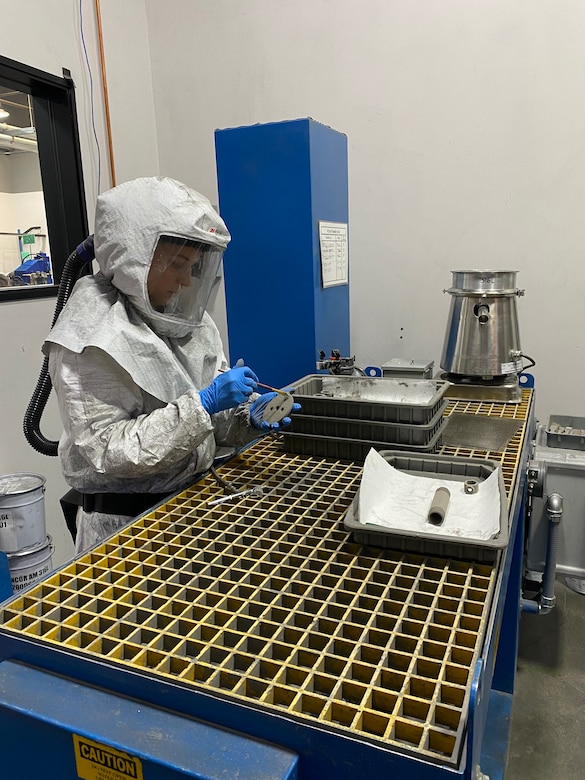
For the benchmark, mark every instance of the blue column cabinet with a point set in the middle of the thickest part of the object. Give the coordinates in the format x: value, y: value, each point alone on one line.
x: 276, y: 182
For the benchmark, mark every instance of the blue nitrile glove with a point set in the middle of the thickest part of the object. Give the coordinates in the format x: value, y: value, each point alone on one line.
x: 229, y: 389
x: 257, y: 412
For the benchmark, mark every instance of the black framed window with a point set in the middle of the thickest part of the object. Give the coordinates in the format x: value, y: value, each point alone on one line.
x: 51, y: 100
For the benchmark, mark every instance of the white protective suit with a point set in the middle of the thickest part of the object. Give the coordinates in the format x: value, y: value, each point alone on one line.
x: 127, y: 378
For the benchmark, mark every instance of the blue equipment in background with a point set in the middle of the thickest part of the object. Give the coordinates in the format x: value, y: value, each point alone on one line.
x: 276, y: 182
x: 6, y: 590
x: 39, y: 264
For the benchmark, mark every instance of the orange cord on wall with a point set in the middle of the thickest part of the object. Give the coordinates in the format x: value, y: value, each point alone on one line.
x: 105, y: 91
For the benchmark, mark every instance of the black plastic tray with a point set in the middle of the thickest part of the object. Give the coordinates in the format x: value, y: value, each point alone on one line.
x: 396, y: 434
x: 397, y: 400
x: 348, y: 449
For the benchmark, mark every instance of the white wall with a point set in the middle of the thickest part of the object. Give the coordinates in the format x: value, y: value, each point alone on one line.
x: 24, y: 324
x: 20, y: 172
x: 465, y: 125
x: 130, y: 93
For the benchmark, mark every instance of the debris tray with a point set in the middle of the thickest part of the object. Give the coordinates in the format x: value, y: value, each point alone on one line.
x: 566, y: 432
x: 439, y: 467
x: 349, y: 449
x: 396, y: 400
x: 401, y: 434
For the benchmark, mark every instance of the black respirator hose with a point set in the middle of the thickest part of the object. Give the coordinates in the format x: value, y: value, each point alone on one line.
x: 74, y: 266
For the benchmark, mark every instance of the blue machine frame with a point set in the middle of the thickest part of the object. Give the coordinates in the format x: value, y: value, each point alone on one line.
x: 276, y: 182
x: 237, y: 728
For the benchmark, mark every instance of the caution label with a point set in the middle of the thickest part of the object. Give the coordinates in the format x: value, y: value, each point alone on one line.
x: 95, y: 761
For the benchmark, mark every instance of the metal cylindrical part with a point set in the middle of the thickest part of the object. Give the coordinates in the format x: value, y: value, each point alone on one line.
x: 484, y: 281
x: 482, y: 338
x: 482, y: 313
x: 439, y: 505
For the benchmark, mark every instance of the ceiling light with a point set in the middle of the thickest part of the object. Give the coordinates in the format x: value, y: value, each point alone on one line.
x: 3, y: 113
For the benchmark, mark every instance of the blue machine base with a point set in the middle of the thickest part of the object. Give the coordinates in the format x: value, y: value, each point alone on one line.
x: 497, y: 735
x: 6, y: 590
x: 57, y: 729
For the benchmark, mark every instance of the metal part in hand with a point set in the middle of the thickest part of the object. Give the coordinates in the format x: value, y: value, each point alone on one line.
x: 278, y: 408
x: 255, y: 491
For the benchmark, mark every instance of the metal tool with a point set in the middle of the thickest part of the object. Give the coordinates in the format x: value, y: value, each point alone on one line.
x: 276, y: 409
x: 274, y: 389
x: 239, y: 364
x: 337, y: 364
x: 258, y: 490
x: 260, y: 384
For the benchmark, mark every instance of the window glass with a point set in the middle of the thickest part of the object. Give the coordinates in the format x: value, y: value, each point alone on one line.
x: 25, y: 253
x: 42, y: 196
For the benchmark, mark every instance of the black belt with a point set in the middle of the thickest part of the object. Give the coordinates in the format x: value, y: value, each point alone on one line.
x: 130, y: 504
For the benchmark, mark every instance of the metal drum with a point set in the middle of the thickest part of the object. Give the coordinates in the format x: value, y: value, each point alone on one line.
x: 482, y: 337
x: 22, y: 511
x: 30, y: 564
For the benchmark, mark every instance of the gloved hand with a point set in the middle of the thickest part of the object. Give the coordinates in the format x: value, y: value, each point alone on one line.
x: 257, y: 412
x: 229, y: 389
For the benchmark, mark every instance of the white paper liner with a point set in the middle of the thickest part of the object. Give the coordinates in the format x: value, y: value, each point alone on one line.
x: 399, y: 501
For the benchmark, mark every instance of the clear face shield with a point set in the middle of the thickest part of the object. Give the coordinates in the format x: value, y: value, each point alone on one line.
x: 181, y: 276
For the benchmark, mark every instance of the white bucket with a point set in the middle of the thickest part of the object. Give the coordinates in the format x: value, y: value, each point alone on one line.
x: 22, y: 511
x: 29, y: 565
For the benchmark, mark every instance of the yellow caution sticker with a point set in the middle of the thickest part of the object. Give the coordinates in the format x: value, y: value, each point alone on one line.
x: 96, y: 761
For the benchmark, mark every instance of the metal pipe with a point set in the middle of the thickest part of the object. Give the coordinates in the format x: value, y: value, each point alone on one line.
x: 554, y: 509
x: 37, y: 235
x: 17, y: 131
x: 527, y: 605
x: 21, y: 144
x: 545, y: 601
x: 483, y: 312
x: 439, y: 505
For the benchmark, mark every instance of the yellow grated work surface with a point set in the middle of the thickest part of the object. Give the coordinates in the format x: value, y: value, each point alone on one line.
x: 268, y: 601
x: 509, y: 458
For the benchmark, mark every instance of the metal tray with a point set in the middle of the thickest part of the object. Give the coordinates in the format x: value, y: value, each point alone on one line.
x: 412, y: 368
x: 395, y: 434
x: 566, y: 432
x: 400, y: 400
x: 348, y: 449
x: 444, y: 467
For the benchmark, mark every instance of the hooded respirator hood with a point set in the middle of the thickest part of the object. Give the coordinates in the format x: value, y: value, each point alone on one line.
x: 132, y: 220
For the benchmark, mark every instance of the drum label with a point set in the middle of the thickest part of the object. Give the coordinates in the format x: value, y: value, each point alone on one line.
x: 7, y: 529
x: 6, y: 520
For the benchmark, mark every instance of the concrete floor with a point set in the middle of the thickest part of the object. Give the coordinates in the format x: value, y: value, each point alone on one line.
x: 547, y: 735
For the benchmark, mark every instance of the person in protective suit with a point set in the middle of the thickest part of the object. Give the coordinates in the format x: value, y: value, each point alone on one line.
x: 144, y: 390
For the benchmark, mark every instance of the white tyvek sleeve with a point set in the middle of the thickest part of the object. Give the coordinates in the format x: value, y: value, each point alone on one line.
x: 233, y: 427
x: 114, y: 428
